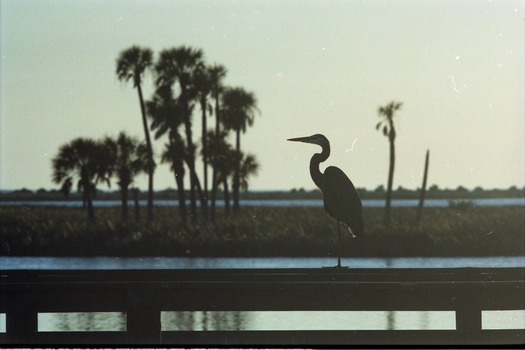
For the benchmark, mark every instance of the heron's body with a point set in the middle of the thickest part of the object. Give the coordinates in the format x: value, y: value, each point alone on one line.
x: 341, y: 200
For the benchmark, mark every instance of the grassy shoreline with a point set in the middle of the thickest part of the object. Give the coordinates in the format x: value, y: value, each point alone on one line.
x: 262, y: 232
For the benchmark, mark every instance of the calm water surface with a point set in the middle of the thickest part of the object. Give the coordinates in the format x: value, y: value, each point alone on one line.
x: 247, y: 320
x: 372, y: 203
x: 52, y: 263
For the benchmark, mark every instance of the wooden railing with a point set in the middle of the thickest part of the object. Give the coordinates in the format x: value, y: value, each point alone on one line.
x: 143, y: 294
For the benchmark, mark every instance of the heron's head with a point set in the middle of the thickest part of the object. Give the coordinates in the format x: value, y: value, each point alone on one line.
x: 316, y: 139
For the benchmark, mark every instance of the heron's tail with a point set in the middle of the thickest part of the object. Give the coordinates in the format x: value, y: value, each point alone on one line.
x: 356, y: 232
x: 349, y: 230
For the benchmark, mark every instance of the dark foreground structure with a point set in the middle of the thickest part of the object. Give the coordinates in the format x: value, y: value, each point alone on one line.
x: 143, y: 294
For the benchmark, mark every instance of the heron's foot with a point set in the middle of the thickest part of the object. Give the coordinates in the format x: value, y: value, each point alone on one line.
x: 336, y: 267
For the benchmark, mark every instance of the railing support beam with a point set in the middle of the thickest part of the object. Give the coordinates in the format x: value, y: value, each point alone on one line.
x: 21, y: 327
x: 143, y: 324
x: 468, y: 319
x: 468, y: 313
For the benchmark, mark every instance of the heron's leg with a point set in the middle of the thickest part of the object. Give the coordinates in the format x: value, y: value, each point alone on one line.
x: 339, y: 244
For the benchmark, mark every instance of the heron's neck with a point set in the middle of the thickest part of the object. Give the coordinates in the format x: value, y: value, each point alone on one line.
x: 317, y: 159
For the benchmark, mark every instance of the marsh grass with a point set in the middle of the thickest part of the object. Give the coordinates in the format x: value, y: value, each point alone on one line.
x: 262, y: 231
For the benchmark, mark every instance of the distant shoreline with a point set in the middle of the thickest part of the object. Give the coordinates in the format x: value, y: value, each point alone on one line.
x: 171, y: 194
x: 278, y: 203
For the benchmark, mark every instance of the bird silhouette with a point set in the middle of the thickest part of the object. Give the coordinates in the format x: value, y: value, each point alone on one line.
x: 341, y: 200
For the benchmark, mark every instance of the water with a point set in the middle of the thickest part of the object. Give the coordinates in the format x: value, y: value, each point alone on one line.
x: 371, y: 203
x: 266, y: 320
x: 276, y: 320
x: 81, y: 263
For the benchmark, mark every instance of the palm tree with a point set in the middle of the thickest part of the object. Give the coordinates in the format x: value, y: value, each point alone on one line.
x: 129, y: 158
x: 179, y: 65
x: 66, y: 187
x: 227, y: 170
x: 387, y: 125
x: 87, y: 160
x: 166, y: 117
x: 132, y: 64
x: 173, y: 154
x: 227, y: 165
x: 217, y: 74
x: 238, y: 112
x: 249, y: 167
x: 225, y: 161
x: 203, y: 85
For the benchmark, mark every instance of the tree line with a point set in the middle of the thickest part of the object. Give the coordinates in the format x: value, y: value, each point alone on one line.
x: 184, y: 86
x: 378, y: 192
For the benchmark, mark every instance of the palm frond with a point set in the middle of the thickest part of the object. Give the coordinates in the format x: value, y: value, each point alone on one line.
x: 132, y: 63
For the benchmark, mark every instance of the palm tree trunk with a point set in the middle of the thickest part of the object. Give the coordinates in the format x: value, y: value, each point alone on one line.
x: 423, y: 190
x: 177, y: 159
x: 196, y: 189
x: 204, y: 197
x: 236, y: 180
x: 390, y: 182
x: 88, y: 195
x: 226, y: 197
x: 150, y: 155
x: 137, y: 206
x: 182, y: 199
x: 91, y: 212
x: 190, y: 158
x: 191, y: 166
x: 215, y: 183
x: 84, y: 199
x: 200, y: 191
x: 124, y: 198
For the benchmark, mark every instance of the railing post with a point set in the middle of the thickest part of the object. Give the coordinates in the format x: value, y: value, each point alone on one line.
x: 21, y: 327
x: 143, y: 319
x: 468, y: 318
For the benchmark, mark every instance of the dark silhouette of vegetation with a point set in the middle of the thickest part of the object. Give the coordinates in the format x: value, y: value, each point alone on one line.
x: 423, y: 190
x: 203, y: 87
x: 238, y: 112
x: 86, y: 160
x: 217, y: 74
x: 95, y: 161
x: 179, y: 65
x: 432, y: 192
x: 387, y: 126
x: 66, y: 187
x: 226, y: 165
x: 129, y: 158
x: 461, y: 205
x: 285, y: 231
x: 136, y: 203
x: 184, y: 82
x: 166, y: 118
x: 131, y: 65
x: 249, y: 167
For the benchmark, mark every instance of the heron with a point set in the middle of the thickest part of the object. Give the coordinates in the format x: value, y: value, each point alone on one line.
x: 341, y: 200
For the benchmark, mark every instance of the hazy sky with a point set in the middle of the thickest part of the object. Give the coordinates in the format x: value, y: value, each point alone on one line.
x: 315, y: 67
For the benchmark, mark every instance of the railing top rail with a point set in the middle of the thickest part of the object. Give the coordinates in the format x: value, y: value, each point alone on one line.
x: 322, y: 275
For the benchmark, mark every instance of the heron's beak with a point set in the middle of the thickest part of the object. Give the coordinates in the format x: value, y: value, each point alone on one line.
x: 307, y: 139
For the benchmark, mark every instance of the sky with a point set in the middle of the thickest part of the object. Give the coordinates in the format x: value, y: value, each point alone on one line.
x: 314, y: 67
